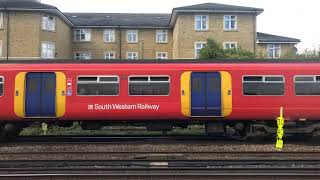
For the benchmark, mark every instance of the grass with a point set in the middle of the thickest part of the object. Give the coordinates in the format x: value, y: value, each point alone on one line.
x: 76, y: 130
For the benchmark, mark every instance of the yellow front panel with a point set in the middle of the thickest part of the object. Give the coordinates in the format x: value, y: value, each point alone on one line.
x: 19, y: 94
x: 186, y: 94
x: 226, y: 93
x: 60, y: 94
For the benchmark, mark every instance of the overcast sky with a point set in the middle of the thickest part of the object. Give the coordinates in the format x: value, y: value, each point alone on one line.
x: 291, y: 18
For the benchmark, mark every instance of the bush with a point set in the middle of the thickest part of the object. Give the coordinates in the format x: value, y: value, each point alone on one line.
x: 214, y: 50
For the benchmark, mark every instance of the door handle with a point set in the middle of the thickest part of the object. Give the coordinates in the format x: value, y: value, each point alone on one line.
x: 182, y: 93
x: 63, y: 93
x: 17, y: 93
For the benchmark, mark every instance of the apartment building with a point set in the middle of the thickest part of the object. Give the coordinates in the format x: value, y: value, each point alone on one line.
x: 30, y: 29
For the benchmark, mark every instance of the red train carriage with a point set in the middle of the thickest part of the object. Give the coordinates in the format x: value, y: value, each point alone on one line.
x: 236, y: 98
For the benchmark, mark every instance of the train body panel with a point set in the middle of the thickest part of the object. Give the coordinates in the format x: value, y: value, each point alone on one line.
x: 74, y: 107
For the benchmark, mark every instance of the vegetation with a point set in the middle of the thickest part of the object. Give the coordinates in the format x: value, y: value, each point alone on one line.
x: 309, y: 54
x: 214, y: 50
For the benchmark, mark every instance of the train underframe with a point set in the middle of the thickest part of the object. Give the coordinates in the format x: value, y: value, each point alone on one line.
x: 226, y: 128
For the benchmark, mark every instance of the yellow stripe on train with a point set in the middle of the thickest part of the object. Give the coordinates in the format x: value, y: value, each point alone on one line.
x: 61, y: 83
x: 19, y: 94
x: 226, y: 93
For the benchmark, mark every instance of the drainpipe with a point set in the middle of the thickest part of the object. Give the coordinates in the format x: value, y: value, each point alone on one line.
x: 120, y: 42
x: 8, y: 29
x: 142, y: 49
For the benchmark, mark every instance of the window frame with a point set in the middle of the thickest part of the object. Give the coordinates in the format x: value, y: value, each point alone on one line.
x: 166, y: 53
x: 2, y: 86
x: 230, y: 19
x: 230, y: 43
x: 137, y: 54
x: 42, y: 50
x: 302, y: 82
x: 162, y: 32
x: 110, y: 32
x: 263, y: 80
x: 46, y: 22
x: 109, y: 52
x: 130, y: 31
x: 195, y: 48
x: 88, y: 52
x: 87, y: 33
x: 1, y: 20
x: 273, y: 48
x: 201, y: 22
x: 169, y: 81
x: 98, y: 78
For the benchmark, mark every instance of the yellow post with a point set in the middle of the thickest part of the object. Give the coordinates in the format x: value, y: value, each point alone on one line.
x: 280, y: 131
x: 44, y: 128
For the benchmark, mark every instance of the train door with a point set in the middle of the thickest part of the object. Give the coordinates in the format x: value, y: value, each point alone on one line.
x: 40, y: 99
x: 206, y: 94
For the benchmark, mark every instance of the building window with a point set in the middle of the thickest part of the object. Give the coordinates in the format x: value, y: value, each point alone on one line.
x: 82, y: 55
x: 1, y: 85
x: 48, y: 23
x: 274, y: 50
x: 263, y: 85
x: 1, y: 20
x: 82, y: 35
x: 109, y: 35
x: 201, y: 22
x: 98, y: 86
x: 230, y: 22
x: 47, y: 50
x: 162, y: 36
x: 162, y: 55
x: 198, y: 47
x: 307, y: 85
x: 149, y: 86
x: 132, y: 55
x: 132, y: 36
x: 230, y: 45
x: 110, y: 55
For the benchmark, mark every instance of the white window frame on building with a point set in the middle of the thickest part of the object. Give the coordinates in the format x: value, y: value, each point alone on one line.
x: 109, y: 55
x: 48, y: 23
x: 272, y: 49
x: 82, y: 55
x: 201, y: 22
x: 161, y: 55
x: 132, y: 55
x: 198, y: 48
x: 132, y: 36
x: 1, y: 20
x: 82, y: 35
x: 48, y: 50
x: 230, y: 22
x: 162, y: 36
x: 109, y: 35
x: 230, y: 45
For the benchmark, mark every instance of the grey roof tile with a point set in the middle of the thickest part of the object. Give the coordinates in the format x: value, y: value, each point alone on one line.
x: 218, y: 7
x: 24, y: 4
x: 265, y: 38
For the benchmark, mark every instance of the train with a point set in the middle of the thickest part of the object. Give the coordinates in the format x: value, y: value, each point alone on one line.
x: 230, y: 98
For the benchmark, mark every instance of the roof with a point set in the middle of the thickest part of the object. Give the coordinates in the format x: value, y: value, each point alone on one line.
x: 218, y: 7
x: 117, y: 19
x: 269, y: 38
x: 24, y: 4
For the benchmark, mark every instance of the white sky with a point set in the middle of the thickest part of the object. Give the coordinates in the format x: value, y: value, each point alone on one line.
x: 291, y: 18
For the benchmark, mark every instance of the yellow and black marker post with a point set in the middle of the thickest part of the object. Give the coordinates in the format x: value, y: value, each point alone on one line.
x: 44, y: 128
x: 280, y: 131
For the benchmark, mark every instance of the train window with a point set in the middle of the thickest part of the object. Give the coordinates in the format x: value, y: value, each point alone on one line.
x: 1, y: 86
x: 263, y: 85
x: 98, y: 85
x: 149, y: 86
x: 307, y: 85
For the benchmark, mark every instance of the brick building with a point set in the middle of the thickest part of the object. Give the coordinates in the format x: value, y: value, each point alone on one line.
x: 32, y: 30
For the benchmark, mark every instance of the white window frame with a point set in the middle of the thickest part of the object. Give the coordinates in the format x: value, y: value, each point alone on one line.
x: 107, y: 55
x: 149, y: 81
x: 2, y: 86
x: 1, y: 20
x: 85, y: 31
x: 229, y: 18
x: 264, y: 81
x: 227, y: 45
x: 200, y: 18
x: 160, y: 57
x: 132, y: 53
x: 162, y: 32
x: 109, y: 35
x: 132, y: 33
x: 45, y: 53
x: 82, y: 55
x: 196, y: 55
x: 48, y: 22
x: 100, y: 82
x: 273, y: 48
